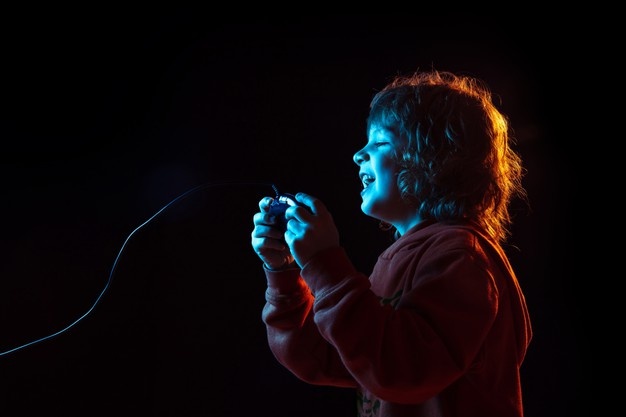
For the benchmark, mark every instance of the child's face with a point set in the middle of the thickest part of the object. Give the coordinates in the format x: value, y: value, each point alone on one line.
x: 378, y: 170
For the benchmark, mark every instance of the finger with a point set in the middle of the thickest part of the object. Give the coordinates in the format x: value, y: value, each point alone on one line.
x: 264, y: 231
x: 263, y: 218
x: 300, y: 214
x: 314, y: 204
x: 269, y: 246
x: 264, y: 203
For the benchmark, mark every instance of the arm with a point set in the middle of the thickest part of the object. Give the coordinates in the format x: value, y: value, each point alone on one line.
x: 408, y: 349
x: 292, y: 335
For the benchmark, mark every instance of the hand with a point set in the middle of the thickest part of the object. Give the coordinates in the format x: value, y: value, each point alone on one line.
x: 309, y: 231
x: 268, y: 239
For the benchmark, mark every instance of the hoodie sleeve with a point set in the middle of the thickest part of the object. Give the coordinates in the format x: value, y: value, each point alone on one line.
x: 293, y: 337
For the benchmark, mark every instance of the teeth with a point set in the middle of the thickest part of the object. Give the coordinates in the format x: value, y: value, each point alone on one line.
x: 366, y: 180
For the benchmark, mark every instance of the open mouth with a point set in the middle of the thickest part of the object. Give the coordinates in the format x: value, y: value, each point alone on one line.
x: 366, y: 180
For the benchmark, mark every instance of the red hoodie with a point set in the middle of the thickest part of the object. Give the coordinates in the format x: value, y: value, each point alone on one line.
x: 440, y: 327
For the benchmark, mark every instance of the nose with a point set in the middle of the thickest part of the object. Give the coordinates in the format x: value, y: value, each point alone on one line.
x: 360, y: 156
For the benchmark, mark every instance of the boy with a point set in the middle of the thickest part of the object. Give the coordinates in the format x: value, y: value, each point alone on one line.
x: 440, y: 327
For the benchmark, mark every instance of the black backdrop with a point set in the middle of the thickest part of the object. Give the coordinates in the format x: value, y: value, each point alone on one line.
x: 108, y: 116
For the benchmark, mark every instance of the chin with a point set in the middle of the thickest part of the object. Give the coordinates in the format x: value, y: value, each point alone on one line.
x: 366, y: 208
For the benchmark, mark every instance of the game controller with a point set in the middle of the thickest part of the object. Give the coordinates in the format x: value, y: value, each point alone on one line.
x: 281, y: 203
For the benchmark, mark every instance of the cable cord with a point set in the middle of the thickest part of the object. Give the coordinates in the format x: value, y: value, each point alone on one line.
x: 115, y: 262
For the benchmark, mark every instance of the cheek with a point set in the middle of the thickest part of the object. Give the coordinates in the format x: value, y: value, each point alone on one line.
x: 388, y: 172
x: 386, y: 182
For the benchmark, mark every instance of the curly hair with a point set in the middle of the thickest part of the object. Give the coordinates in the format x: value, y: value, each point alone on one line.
x: 458, y: 163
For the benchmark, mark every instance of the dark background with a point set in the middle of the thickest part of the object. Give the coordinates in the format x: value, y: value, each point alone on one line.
x: 108, y: 116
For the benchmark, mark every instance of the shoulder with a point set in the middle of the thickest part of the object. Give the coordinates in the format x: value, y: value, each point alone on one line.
x: 442, y: 243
